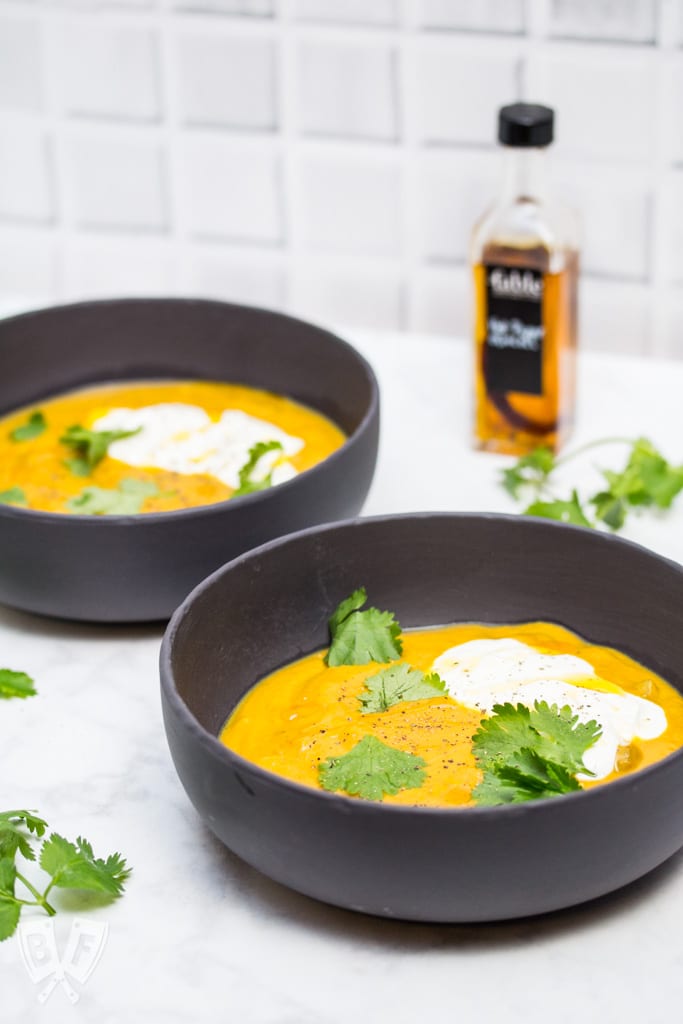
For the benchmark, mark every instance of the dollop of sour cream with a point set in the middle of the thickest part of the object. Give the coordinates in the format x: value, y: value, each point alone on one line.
x: 184, y: 439
x: 482, y: 673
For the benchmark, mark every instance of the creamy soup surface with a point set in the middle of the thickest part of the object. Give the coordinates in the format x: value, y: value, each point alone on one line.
x: 161, y: 445
x: 292, y: 721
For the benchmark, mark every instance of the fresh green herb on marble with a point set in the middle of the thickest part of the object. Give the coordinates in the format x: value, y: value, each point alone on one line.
x: 397, y: 684
x: 34, y: 426
x: 90, y: 446
x: 68, y: 865
x: 15, y: 684
x: 361, y: 636
x: 247, y: 483
x: 13, y: 496
x: 647, y: 480
x: 125, y: 500
x: 526, y: 754
x: 372, y: 770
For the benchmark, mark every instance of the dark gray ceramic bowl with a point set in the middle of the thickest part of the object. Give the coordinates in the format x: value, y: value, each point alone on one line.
x: 136, y: 568
x: 471, y: 864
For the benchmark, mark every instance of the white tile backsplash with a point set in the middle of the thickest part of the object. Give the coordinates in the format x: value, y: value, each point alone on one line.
x: 346, y: 90
x: 226, y: 80
x: 449, y: 195
x: 26, y: 191
x: 331, y: 156
x: 115, y: 183
x: 355, y: 296
x: 230, y: 190
x: 359, y: 12
x: 499, y: 16
x: 633, y: 21
x: 445, y: 77
x: 351, y: 204
x: 107, y: 71
x: 604, y: 102
x: 21, y: 71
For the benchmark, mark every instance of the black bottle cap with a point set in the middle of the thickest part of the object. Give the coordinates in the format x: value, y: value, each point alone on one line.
x: 525, y: 124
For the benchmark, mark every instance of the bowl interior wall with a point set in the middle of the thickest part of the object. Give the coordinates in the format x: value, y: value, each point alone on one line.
x: 147, y: 339
x: 272, y: 607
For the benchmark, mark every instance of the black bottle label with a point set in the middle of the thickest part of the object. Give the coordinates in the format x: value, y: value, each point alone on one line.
x: 513, y: 354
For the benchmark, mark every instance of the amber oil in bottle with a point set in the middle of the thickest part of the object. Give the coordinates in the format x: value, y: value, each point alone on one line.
x: 525, y: 262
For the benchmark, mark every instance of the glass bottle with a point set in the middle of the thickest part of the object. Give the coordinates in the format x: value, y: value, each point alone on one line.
x: 524, y: 253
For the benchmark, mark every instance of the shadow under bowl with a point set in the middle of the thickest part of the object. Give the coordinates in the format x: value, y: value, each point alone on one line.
x: 138, y: 568
x: 271, y: 607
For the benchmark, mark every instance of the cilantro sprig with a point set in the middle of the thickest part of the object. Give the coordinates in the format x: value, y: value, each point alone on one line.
x: 125, y: 500
x: 68, y: 865
x: 13, y: 496
x: 399, y: 683
x: 247, y: 484
x: 34, y: 426
x: 359, y: 637
x: 372, y: 770
x: 15, y: 684
x: 526, y: 754
x: 647, y: 480
x: 90, y: 446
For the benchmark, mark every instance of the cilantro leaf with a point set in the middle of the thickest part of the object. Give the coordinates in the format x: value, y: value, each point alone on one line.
x: 531, y: 470
x: 563, y: 511
x: 646, y: 480
x: 15, y: 684
x: 10, y: 907
x: 74, y: 866
x: 90, y: 446
x: 359, y: 637
x: 34, y: 426
x: 529, y: 753
x: 13, y: 496
x: 14, y: 826
x: 399, y: 683
x: 124, y: 500
x: 372, y: 770
x: 247, y: 485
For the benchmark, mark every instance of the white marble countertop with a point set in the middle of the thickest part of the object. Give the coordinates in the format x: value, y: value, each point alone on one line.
x: 200, y: 936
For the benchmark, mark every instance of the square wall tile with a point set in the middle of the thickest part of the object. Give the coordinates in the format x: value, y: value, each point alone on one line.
x: 129, y: 266
x: 347, y: 90
x: 350, y: 296
x: 604, y: 104
x: 350, y: 205
x: 441, y: 301
x: 630, y: 21
x: 614, y: 317
x: 458, y: 93
x: 21, y: 71
x: 505, y: 16
x: 108, y: 71
x: 359, y: 12
x: 245, y: 8
x: 116, y: 183
x: 28, y: 264
x: 450, y: 193
x: 212, y: 273
x: 230, y: 191
x: 673, y: 330
x: 228, y: 81
x: 615, y: 213
x: 673, y: 243
x: 674, y: 121
x: 25, y: 174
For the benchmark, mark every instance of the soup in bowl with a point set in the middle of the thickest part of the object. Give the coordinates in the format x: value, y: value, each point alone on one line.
x: 100, y: 519
x: 410, y: 854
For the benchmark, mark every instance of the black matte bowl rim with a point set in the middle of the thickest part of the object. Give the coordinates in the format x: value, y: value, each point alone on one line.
x: 216, y: 507
x: 235, y: 761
